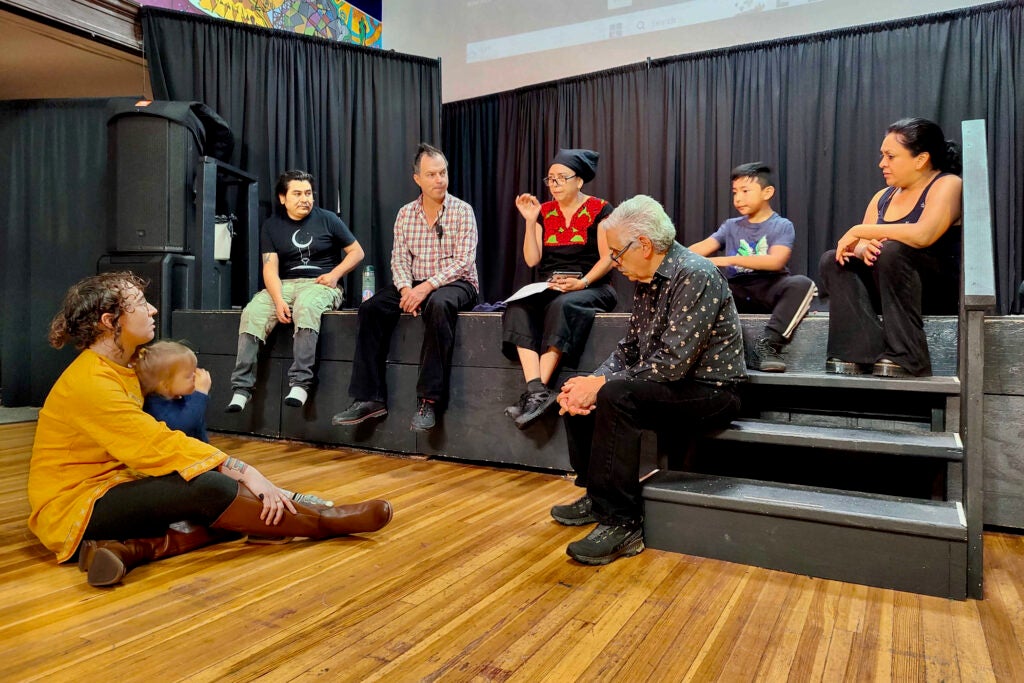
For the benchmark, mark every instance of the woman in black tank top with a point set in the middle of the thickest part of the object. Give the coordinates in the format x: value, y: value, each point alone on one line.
x: 902, y: 261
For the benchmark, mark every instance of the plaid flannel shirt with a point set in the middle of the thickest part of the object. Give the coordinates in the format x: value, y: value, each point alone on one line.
x: 422, y: 252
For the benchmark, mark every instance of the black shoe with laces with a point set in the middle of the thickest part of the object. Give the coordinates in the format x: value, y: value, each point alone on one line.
x: 424, y: 419
x: 360, y: 411
x: 766, y: 356
x: 576, y: 513
x: 537, y: 403
x: 516, y: 410
x: 607, y: 543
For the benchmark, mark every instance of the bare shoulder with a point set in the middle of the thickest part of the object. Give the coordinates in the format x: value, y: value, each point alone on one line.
x: 949, y: 183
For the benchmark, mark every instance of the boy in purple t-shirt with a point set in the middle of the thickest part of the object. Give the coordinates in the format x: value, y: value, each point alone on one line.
x: 757, y: 247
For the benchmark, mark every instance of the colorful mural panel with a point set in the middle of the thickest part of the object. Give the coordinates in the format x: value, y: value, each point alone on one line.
x: 331, y: 19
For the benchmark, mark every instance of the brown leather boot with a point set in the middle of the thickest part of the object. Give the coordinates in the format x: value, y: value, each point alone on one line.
x: 108, y: 561
x: 311, y: 521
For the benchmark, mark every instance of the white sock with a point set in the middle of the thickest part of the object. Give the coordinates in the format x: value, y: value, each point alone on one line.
x: 239, y: 399
x: 297, y: 394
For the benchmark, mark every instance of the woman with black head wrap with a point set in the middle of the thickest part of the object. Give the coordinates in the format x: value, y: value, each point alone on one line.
x: 562, y: 241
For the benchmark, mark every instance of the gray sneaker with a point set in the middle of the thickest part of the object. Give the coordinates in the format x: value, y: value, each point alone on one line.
x: 607, y: 543
x: 766, y: 356
x: 516, y: 410
x: 576, y: 513
x: 360, y: 411
x: 537, y: 403
x: 424, y: 419
x: 310, y: 499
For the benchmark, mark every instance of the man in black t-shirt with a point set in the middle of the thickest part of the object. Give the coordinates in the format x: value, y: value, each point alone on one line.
x: 302, y: 266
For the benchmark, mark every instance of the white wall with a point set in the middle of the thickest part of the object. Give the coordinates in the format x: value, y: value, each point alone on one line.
x: 469, y: 35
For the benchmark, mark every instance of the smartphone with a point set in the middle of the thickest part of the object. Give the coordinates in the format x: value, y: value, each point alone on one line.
x: 567, y: 273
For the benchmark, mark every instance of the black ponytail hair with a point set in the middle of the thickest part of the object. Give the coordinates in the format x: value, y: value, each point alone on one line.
x: 921, y: 135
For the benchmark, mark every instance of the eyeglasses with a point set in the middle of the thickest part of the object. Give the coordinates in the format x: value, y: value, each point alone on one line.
x: 556, y: 180
x: 616, y: 257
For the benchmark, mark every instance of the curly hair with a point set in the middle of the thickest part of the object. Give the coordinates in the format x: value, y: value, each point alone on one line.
x: 86, y: 302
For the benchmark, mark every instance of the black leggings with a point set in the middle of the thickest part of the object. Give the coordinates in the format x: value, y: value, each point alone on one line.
x: 146, y: 507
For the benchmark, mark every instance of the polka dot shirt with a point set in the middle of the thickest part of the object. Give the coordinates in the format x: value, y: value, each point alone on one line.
x: 684, y: 324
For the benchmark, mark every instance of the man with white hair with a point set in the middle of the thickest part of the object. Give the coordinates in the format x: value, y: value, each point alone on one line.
x: 678, y: 366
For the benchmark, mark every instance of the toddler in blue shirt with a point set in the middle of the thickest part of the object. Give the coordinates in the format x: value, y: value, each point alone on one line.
x: 176, y: 392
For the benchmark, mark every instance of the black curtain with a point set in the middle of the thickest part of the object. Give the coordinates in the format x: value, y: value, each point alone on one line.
x: 53, y: 161
x: 501, y: 145
x: 815, y: 108
x: 351, y: 116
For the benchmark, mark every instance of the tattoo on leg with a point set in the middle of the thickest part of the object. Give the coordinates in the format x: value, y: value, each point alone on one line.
x: 235, y: 464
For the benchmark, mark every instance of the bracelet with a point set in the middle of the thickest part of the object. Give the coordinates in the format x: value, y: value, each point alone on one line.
x: 585, y: 281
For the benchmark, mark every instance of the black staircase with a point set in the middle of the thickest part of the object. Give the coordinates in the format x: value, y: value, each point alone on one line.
x: 859, y: 479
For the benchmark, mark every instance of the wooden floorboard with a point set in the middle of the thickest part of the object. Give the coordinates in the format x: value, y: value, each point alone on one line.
x: 470, y: 582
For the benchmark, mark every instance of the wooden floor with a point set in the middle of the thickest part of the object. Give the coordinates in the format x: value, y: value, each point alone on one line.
x: 470, y: 582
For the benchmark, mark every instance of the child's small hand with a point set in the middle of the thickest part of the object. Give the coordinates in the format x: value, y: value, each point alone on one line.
x: 203, y: 381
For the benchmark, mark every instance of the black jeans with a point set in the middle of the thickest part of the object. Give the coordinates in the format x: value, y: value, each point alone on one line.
x: 903, y: 284
x: 146, y: 507
x: 604, y: 447
x: 378, y: 317
x: 786, y: 297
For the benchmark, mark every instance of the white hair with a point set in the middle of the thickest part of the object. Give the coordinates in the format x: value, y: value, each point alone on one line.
x: 643, y: 216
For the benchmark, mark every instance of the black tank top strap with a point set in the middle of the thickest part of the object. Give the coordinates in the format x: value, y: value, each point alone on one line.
x: 915, y: 213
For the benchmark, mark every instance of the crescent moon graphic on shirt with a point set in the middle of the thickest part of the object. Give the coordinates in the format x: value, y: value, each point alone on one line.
x: 295, y: 240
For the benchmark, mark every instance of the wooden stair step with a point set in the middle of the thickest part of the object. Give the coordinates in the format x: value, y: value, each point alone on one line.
x: 939, y: 445
x: 939, y: 384
x: 899, y: 543
x: 934, y: 519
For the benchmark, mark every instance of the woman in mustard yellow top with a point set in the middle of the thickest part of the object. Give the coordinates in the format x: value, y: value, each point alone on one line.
x: 110, y: 483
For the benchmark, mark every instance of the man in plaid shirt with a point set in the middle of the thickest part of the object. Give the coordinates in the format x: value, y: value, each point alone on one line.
x: 433, y: 268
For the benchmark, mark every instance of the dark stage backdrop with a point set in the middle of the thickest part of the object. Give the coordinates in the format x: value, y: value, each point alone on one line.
x: 53, y: 162
x: 815, y: 108
x: 351, y: 116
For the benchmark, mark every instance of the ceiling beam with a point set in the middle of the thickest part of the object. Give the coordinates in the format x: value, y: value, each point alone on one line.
x: 115, y: 22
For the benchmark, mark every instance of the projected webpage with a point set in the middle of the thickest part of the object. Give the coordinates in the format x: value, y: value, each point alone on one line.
x: 615, y: 19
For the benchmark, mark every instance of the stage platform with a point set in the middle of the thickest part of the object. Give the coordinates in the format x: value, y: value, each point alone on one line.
x: 475, y: 429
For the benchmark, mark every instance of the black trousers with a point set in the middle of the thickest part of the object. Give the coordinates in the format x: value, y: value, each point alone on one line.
x: 903, y: 284
x: 553, y: 318
x: 604, y: 447
x: 146, y: 507
x: 786, y: 297
x: 378, y: 317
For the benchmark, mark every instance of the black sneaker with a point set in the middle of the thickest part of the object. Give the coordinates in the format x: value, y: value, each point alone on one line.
x: 576, y: 513
x: 607, y: 543
x: 766, y: 356
x: 537, y: 403
x: 516, y: 410
x: 424, y: 419
x: 360, y: 411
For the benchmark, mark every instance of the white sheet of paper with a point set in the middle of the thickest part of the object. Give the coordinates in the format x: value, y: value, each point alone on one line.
x: 528, y: 290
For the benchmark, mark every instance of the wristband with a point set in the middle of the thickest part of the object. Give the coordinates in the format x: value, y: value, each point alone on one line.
x: 585, y: 281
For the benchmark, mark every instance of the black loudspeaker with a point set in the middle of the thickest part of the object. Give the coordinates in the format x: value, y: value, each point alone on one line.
x: 153, y: 161
x: 171, y: 281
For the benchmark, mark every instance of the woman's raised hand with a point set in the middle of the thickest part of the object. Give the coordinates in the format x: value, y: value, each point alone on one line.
x: 529, y: 206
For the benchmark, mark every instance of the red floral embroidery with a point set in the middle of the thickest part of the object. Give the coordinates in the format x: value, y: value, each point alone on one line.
x: 557, y: 234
